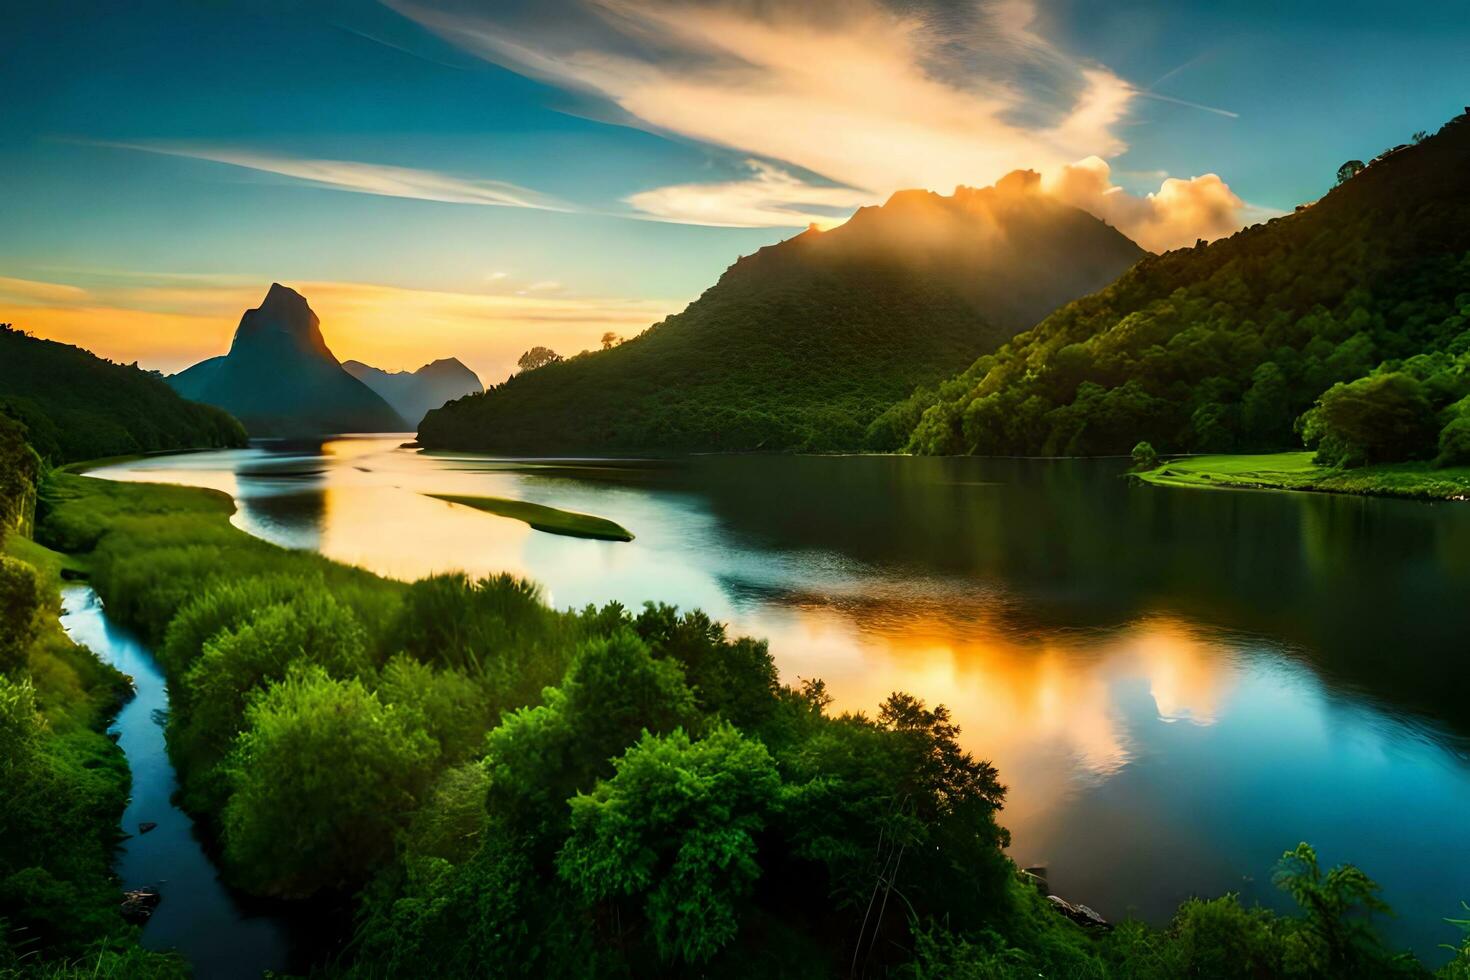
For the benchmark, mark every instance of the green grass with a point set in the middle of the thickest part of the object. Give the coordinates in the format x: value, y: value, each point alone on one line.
x: 542, y: 518
x: 1297, y: 471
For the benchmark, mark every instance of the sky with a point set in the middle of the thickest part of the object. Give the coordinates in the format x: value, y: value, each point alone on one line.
x: 472, y: 178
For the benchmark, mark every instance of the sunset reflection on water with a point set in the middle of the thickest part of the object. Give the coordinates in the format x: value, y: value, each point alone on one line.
x: 1175, y: 687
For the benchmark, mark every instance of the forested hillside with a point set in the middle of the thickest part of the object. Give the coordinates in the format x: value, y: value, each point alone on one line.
x: 76, y: 405
x: 1354, y: 310
x: 803, y: 344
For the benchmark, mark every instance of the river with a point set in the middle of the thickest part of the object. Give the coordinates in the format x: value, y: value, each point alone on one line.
x: 198, y: 916
x: 1177, y: 686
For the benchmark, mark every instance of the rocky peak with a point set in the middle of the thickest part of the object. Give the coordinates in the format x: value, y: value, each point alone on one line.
x: 283, y: 316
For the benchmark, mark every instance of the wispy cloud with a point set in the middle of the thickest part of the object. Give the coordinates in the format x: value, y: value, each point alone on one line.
x: 769, y: 198
x: 365, y: 178
x: 869, y: 95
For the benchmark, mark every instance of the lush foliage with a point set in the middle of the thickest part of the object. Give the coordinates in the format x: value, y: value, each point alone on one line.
x: 1355, y: 311
x: 504, y: 789
x: 20, y: 469
x: 63, y: 785
x: 801, y: 345
x: 78, y: 406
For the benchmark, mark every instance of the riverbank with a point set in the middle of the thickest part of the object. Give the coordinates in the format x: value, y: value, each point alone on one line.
x: 1297, y: 471
x: 66, y: 784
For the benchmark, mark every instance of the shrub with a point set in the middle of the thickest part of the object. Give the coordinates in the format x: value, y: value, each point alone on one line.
x: 323, y: 778
x: 313, y: 628
x: 451, y: 707
x: 222, y: 606
x: 1454, y: 443
x: 1378, y: 419
x: 676, y: 828
x: 20, y: 604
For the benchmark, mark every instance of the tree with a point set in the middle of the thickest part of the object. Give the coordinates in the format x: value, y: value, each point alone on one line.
x: 610, y: 340
x: 1144, y: 457
x: 1348, y: 171
x: 323, y: 779
x: 313, y: 628
x: 20, y: 603
x: 537, y: 357
x: 20, y: 468
x: 1454, y: 443
x: 1337, y: 938
x: 1378, y: 419
x: 676, y: 830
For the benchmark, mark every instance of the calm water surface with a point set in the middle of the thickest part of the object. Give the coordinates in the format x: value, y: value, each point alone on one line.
x: 1176, y: 685
x: 198, y: 915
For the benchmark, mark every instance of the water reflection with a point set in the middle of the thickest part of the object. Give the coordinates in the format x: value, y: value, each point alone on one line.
x: 1176, y: 686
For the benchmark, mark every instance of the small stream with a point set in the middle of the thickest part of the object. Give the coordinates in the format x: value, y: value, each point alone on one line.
x: 198, y: 916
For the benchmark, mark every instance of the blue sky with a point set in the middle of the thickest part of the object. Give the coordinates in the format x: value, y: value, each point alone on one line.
x: 503, y: 173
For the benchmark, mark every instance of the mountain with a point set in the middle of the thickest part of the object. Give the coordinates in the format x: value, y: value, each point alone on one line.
x: 414, y: 393
x: 802, y: 344
x: 279, y: 378
x: 1354, y: 310
x: 77, y: 406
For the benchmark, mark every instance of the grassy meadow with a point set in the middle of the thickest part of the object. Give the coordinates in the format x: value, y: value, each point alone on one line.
x: 1299, y: 471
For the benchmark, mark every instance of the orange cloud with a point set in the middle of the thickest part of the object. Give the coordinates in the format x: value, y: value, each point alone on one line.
x: 870, y: 96
x: 174, y: 325
x: 1180, y: 212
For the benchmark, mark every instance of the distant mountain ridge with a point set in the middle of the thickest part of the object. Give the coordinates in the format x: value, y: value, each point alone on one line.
x: 802, y: 344
x: 1223, y: 347
x: 77, y: 406
x: 414, y: 393
x: 280, y: 378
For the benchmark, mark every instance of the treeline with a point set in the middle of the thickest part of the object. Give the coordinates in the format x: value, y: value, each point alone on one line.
x: 801, y: 345
x: 76, y: 406
x: 63, y: 783
x: 504, y: 789
x: 1346, y: 325
x: 770, y: 359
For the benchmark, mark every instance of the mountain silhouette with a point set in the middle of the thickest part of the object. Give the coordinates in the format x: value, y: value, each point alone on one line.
x: 280, y: 378
x: 804, y: 343
x: 414, y: 393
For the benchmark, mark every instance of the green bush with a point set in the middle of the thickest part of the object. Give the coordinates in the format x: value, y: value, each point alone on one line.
x: 1454, y: 443
x: 1383, y: 418
x: 675, y: 829
x: 322, y: 780
x: 311, y: 628
x: 451, y: 707
x: 20, y: 604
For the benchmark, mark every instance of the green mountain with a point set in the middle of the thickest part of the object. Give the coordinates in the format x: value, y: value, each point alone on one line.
x: 76, y: 405
x: 413, y: 394
x: 279, y: 378
x: 1353, y: 310
x: 804, y: 343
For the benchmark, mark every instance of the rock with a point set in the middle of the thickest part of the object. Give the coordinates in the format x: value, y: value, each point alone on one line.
x: 146, y: 826
x: 1080, y: 914
x: 138, y: 905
